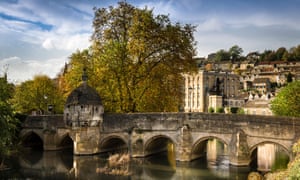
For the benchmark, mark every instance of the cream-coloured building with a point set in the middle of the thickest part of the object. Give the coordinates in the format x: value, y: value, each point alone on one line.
x: 206, y: 89
x: 258, y: 105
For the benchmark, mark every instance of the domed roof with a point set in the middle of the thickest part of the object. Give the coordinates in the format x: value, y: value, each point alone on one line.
x: 85, y: 95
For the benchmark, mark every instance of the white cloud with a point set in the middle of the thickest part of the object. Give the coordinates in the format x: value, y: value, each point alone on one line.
x: 211, y: 24
x: 47, y: 44
x: 20, y: 70
x: 32, y: 18
x: 67, y: 42
x: 68, y: 26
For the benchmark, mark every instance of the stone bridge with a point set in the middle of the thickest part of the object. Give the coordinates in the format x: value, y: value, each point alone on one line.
x: 144, y: 134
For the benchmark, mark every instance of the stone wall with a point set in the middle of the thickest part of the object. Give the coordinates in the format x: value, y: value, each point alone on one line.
x: 44, y: 121
x: 196, y: 121
x: 241, y: 133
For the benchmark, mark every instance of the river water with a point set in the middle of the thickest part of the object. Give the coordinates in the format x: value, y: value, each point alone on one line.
x: 37, y: 164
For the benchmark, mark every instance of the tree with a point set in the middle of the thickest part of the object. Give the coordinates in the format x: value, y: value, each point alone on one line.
x: 286, y: 56
x: 289, y: 77
x: 38, y: 94
x: 280, y: 53
x: 287, y: 102
x: 235, y: 53
x: 295, y: 53
x: 70, y: 76
x: 8, y: 122
x: 138, y: 59
x: 222, y: 55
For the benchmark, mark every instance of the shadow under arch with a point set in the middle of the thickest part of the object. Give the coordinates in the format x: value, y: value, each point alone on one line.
x: 160, y: 152
x: 66, y: 142
x: 157, y: 144
x: 199, y: 148
x: 32, y: 140
x: 276, y: 155
x: 66, y: 145
x: 113, y: 144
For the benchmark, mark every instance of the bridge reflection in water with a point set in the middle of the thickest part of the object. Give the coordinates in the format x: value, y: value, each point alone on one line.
x: 214, y: 164
x: 271, y: 157
x: 38, y: 164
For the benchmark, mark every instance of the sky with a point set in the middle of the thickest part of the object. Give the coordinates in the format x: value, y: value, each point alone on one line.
x: 38, y: 36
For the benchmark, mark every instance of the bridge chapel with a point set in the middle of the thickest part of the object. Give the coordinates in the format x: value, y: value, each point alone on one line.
x: 83, y: 106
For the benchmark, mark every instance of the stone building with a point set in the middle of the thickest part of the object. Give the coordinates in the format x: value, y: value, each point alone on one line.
x: 209, y: 88
x: 83, y: 106
x: 262, y: 85
x: 258, y: 105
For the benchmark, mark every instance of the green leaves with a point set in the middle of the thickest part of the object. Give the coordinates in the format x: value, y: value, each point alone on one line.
x: 7, y: 120
x: 36, y: 95
x: 139, y: 58
x: 287, y: 101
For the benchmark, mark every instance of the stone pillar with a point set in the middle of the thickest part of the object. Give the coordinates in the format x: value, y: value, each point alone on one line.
x: 50, y: 140
x: 86, y: 140
x: 184, y: 145
x: 239, y: 154
x: 137, y: 144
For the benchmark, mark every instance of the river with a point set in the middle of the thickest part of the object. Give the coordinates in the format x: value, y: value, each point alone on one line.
x: 38, y: 164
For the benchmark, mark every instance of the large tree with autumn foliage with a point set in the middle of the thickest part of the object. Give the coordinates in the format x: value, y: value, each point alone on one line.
x: 37, y: 95
x: 137, y: 59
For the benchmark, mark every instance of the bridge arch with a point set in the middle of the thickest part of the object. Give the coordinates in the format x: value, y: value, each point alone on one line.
x: 158, y: 143
x: 271, y: 150
x: 113, y: 143
x: 32, y: 139
x: 283, y: 146
x: 253, y: 149
x: 199, y: 148
x: 66, y: 142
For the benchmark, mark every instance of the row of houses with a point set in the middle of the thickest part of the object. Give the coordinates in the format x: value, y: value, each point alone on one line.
x: 246, y: 86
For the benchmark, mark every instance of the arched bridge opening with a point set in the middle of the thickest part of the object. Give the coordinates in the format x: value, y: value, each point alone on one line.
x: 66, y: 143
x: 66, y: 156
x: 113, y: 144
x: 267, y: 156
x: 160, y: 150
x: 158, y: 144
x: 32, y: 140
x: 213, y: 150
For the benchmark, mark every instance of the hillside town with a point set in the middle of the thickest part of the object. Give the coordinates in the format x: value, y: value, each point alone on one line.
x: 245, y: 87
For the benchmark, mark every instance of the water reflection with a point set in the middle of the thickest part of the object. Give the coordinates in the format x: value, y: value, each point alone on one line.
x: 265, y: 156
x: 217, y: 158
x: 38, y: 164
x: 63, y: 165
x: 271, y: 157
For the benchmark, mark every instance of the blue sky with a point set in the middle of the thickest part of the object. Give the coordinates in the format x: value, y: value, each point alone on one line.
x: 38, y: 36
